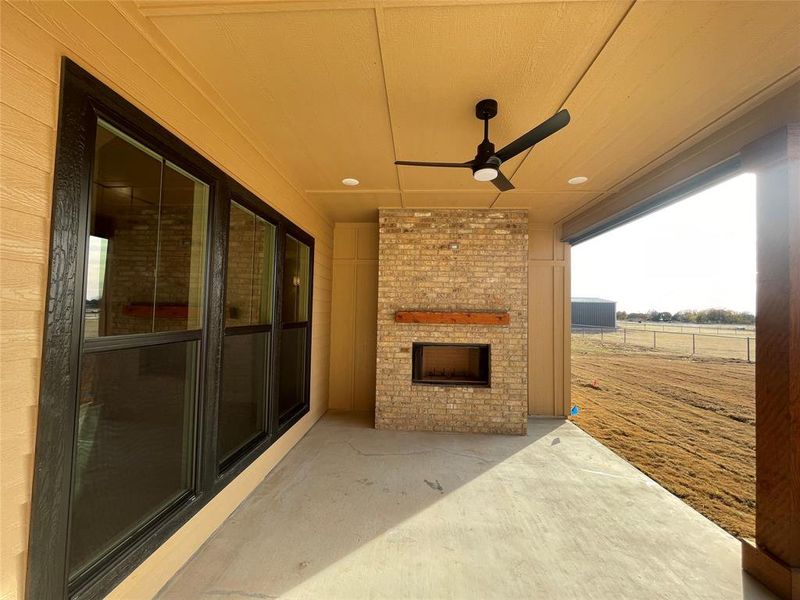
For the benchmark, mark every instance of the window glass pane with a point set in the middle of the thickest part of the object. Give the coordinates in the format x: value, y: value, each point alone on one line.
x: 135, y: 443
x: 241, y: 237
x: 296, y: 270
x: 181, y: 251
x: 244, y: 387
x: 263, y: 272
x: 291, y: 387
x: 251, y: 266
x: 146, y: 253
x: 124, y: 215
x: 95, y: 281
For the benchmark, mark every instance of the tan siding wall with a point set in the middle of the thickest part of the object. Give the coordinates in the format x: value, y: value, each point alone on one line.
x: 354, y: 310
x: 548, y: 322
x: 34, y: 36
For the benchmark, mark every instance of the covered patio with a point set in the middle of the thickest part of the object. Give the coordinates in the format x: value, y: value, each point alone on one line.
x: 241, y: 329
x: 386, y: 514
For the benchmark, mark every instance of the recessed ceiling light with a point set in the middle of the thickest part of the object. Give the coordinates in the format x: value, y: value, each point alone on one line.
x: 350, y: 181
x: 577, y: 180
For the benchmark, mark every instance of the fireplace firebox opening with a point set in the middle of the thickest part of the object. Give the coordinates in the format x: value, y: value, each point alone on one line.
x: 451, y: 364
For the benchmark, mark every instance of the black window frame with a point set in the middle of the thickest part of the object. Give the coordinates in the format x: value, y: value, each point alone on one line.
x: 297, y: 413
x: 84, y: 100
x: 242, y: 457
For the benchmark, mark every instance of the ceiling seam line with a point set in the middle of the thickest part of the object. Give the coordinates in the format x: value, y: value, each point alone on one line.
x: 622, y: 182
x: 177, y: 9
x: 264, y: 153
x: 378, y: 13
x: 574, y: 87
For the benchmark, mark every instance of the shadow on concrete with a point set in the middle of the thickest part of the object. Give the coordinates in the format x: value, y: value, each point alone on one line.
x: 343, y: 485
x: 353, y: 512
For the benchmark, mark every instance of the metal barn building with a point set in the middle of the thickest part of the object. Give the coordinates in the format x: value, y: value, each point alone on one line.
x: 594, y: 312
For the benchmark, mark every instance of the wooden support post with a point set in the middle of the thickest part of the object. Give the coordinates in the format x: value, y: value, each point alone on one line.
x: 774, y: 557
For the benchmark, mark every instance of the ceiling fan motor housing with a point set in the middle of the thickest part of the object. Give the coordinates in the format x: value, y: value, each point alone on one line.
x: 485, y: 157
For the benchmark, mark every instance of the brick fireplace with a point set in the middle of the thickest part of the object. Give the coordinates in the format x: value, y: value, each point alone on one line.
x: 452, y: 321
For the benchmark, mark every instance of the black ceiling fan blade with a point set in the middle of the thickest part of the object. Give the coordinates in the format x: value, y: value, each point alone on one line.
x: 534, y: 136
x: 502, y: 183
x: 413, y: 163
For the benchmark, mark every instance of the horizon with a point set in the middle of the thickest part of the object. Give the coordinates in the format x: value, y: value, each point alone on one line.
x: 696, y: 254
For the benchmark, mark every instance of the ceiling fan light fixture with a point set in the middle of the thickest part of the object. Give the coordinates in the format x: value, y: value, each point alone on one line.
x: 486, y: 164
x: 485, y: 174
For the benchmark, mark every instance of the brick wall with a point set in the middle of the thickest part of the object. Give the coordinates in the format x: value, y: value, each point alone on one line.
x: 418, y: 270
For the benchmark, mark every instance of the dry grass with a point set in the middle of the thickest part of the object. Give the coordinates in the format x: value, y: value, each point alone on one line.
x: 729, y: 330
x: 688, y: 423
x: 726, y: 346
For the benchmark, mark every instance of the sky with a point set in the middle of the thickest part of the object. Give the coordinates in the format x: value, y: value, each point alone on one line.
x: 697, y: 253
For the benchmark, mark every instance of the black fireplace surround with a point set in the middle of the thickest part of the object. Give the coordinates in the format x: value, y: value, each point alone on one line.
x: 451, y: 364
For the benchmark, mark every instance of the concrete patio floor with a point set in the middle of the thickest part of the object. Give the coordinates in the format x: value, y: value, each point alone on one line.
x: 353, y: 512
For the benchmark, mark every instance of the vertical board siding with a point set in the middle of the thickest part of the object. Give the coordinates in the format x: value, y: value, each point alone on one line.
x: 354, y: 316
x: 366, y: 310
x: 100, y: 38
x: 342, y: 335
x: 353, y: 325
x: 548, y: 322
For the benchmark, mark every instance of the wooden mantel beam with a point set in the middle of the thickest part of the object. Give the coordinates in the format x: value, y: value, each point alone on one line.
x: 452, y: 317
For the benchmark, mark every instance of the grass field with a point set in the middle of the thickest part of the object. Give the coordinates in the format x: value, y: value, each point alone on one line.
x: 688, y: 423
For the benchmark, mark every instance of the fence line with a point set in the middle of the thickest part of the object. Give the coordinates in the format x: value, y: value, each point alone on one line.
x: 733, y: 330
x: 693, y: 344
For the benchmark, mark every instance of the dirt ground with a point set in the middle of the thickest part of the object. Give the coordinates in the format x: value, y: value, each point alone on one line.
x: 688, y: 423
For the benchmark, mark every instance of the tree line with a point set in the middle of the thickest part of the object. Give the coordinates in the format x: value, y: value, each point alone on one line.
x: 716, y: 316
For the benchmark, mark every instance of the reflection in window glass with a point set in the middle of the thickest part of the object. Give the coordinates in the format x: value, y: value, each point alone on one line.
x: 242, y: 414
x: 292, y: 384
x: 181, y: 251
x: 135, y: 443
x: 251, y: 266
x: 152, y: 217
x: 95, y: 280
x: 263, y: 272
x: 296, y: 271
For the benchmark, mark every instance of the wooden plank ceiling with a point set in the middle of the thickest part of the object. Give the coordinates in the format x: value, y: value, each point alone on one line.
x: 335, y: 89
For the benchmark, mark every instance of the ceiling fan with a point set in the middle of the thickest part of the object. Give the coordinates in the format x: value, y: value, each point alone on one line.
x: 486, y: 164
